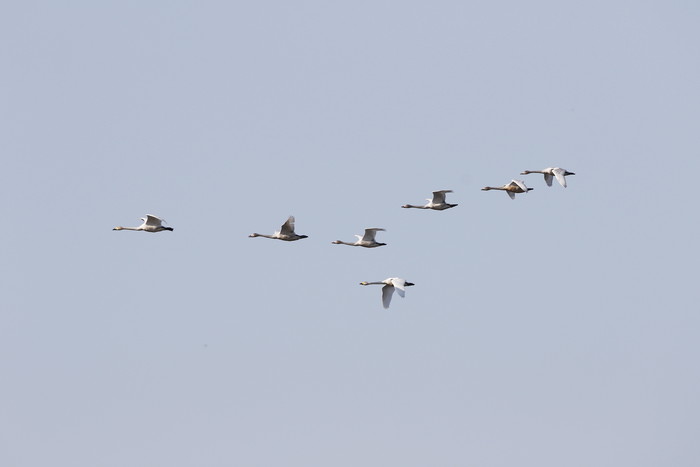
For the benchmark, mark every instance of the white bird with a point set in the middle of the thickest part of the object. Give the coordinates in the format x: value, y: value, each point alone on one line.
x: 285, y: 233
x: 366, y: 241
x: 437, y: 203
x: 515, y: 186
x: 551, y: 172
x: 151, y: 223
x: 388, y: 290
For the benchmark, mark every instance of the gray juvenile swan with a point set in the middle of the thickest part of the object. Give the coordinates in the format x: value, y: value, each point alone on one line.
x: 515, y: 186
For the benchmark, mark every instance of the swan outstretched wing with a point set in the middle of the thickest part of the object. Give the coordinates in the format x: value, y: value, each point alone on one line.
x: 439, y: 196
x: 521, y: 184
x: 150, y: 219
x: 288, y: 227
x: 387, y: 292
x: 511, y: 194
x: 370, y: 234
x: 548, y: 179
x: 399, y: 284
x: 559, y: 173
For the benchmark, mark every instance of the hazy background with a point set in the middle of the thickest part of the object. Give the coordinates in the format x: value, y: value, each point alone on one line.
x: 559, y: 329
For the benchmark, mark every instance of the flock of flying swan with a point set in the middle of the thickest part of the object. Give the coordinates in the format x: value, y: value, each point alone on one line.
x: 518, y: 186
x: 286, y: 233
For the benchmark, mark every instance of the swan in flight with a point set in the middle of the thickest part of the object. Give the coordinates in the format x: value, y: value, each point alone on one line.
x: 367, y: 241
x: 551, y: 172
x: 388, y: 290
x: 515, y: 186
x: 151, y: 223
x: 285, y: 233
x: 437, y: 203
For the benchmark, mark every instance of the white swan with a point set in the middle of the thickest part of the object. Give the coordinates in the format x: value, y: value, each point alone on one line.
x: 367, y: 241
x: 388, y: 290
x: 285, y: 233
x: 151, y: 223
x: 515, y: 186
x: 437, y: 203
x: 551, y: 172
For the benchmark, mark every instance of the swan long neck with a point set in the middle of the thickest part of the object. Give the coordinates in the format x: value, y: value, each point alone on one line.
x: 340, y: 242
x: 261, y: 235
x: 127, y: 228
x: 525, y: 172
x: 487, y: 188
x: 372, y: 283
x: 414, y: 207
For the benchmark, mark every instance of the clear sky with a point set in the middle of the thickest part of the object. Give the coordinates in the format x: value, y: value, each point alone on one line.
x: 558, y: 329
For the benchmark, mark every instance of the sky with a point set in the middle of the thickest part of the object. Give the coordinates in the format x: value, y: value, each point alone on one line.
x: 559, y: 328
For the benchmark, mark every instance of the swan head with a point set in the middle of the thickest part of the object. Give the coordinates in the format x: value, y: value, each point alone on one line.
x: 364, y: 283
x: 486, y: 188
x: 406, y: 206
x: 118, y: 228
x: 525, y: 172
x: 337, y: 242
x: 253, y: 235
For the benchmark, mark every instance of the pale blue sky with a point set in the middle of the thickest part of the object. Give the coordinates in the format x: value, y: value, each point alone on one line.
x: 559, y: 329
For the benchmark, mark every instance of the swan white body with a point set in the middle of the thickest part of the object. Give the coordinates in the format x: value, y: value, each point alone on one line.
x: 391, y: 284
x: 151, y: 223
x: 367, y: 241
x: 515, y: 186
x: 437, y: 203
x: 550, y: 173
x: 285, y: 233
